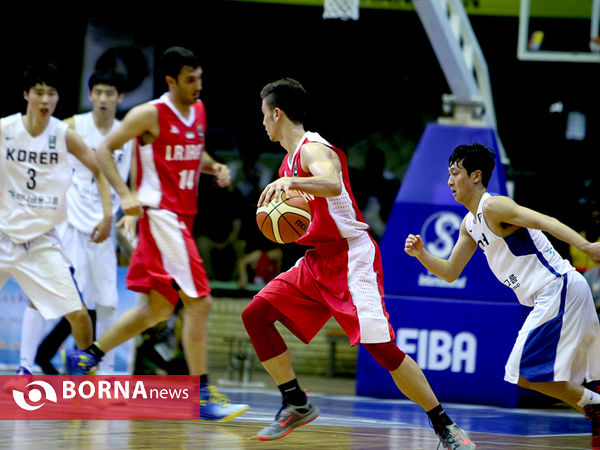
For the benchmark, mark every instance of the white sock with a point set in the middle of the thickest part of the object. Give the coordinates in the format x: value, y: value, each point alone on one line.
x: 588, y: 398
x: 105, y: 317
x: 32, y: 329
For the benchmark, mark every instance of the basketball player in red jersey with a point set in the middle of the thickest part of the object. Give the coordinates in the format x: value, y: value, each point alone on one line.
x: 165, y: 264
x: 340, y: 277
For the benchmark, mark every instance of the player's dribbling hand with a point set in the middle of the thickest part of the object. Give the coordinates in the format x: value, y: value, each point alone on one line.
x: 274, y: 190
x: 413, y: 245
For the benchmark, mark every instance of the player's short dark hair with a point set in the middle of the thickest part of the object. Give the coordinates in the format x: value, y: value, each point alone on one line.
x: 475, y: 157
x: 288, y: 95
x: 174, y: 59
x: 110, y: 78
x: 42, y: 73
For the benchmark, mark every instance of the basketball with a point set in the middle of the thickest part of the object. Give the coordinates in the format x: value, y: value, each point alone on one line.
x: 285, y: 219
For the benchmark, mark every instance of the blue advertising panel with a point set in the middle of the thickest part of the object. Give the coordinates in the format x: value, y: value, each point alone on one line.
x: 439, y: 227
x: 426, y: 178
x: 424, y: 205
x: 461, y: 347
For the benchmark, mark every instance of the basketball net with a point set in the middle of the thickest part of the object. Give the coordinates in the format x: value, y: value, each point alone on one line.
x: 341, y: 9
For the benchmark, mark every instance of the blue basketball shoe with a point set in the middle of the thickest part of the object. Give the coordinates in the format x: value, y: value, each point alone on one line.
x: 216, y: 407
x: 79, y: 362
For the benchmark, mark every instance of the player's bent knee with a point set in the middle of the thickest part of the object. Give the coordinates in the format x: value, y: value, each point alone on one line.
x: 79, y: 318
x: 256, y: 314
x: 155, y: 313
x: 387, y: 354
x: 198, y: 308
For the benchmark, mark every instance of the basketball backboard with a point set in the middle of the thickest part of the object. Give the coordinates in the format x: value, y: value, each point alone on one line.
x: 530, y: 41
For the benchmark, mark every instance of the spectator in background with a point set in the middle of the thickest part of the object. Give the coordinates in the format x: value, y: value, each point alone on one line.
x: 375, y: 193
x: 260, y: 259
x: 218, y: 239
x: 589, y: 226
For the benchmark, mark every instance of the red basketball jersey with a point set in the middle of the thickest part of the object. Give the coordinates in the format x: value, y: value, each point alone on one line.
x: 169, y: 167
x: 333, y: 218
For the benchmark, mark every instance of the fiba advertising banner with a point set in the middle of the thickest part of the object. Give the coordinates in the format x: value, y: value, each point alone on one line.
x: 459, y: 333
x: 461, y: 346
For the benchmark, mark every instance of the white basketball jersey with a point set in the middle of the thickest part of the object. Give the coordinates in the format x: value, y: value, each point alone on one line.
x: 525, y: 260
x: 34, y: 176
x: 84, y: 204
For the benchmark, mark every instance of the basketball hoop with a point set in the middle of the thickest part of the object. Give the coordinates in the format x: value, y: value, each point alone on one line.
x: 341, y: 9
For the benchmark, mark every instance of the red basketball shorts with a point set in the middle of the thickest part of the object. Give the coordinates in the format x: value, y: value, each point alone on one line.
x: 343, y: 280
x: 166, y: 252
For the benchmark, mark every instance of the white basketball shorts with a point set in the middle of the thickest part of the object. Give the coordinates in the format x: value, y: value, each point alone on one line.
x: 560, y: 339
x: 95, y: 266
x: 43, y: 272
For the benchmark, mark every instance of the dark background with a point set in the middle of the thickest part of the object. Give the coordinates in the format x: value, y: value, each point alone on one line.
x: 376, y: 75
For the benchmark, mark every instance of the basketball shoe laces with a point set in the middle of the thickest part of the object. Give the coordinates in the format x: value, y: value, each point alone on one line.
x: 281, y: 415
x: 284, y: 416
x: 451, y: 439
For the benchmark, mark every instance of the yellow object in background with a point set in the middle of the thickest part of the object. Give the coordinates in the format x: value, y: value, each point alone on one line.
x: 580, y: 260
x: 535, y: 41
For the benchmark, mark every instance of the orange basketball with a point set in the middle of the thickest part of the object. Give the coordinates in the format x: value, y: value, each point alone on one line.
x: 285, y: 219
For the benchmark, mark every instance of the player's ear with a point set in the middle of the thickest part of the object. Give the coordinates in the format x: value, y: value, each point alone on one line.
x: 170, y: 80
x: 476, y: 176
x: 277, y: 113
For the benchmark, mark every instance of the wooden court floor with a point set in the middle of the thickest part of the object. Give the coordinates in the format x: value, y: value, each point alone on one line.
x: 346, y: 422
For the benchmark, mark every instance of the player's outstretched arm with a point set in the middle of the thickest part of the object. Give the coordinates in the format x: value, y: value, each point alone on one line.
x: 450, y: 269
x: 78, y: 148
x: 500, y: 209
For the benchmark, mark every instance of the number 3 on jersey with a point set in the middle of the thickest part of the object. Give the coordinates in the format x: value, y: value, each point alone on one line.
x: 186, y: 179
x: 31, y: 183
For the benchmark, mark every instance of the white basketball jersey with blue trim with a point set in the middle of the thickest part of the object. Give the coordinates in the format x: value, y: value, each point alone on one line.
x: 34, y: 176
x: 84, y: 205
x: 525, y: 260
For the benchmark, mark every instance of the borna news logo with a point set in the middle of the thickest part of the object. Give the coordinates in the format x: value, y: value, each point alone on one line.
x: 35, y: 396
